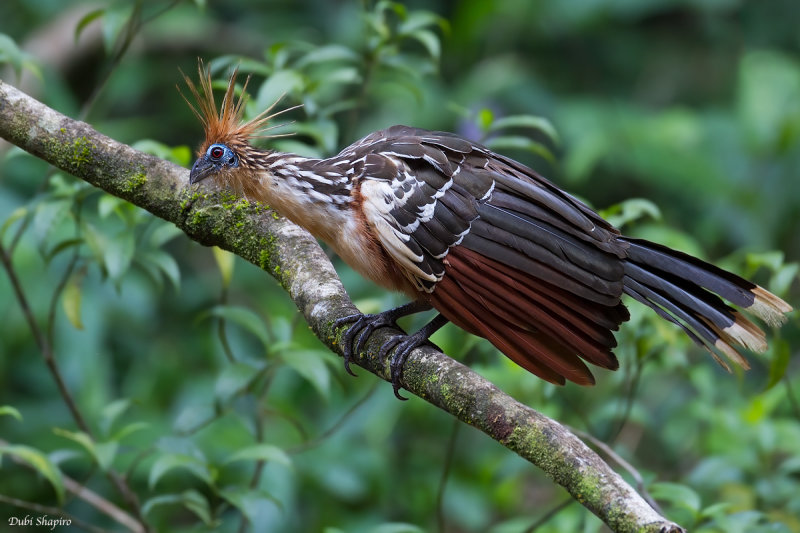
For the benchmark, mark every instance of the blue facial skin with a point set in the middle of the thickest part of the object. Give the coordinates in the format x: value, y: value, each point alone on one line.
x: 216, y: 158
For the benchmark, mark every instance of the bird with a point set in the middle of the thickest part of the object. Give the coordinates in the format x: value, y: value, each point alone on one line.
x: 494, y: 247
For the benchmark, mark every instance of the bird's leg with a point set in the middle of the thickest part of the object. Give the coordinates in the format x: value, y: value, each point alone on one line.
x: 364, y: 325
x: 405, y: 345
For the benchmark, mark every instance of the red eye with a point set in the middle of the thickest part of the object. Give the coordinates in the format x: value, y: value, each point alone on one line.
x: 217, y: 152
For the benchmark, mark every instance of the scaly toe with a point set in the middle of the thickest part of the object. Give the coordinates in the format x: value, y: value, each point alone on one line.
x: 347, y: 337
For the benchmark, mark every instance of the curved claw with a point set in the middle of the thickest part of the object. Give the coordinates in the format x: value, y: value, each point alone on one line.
x: 356, y: 336
x: 405, y: 345
x: 347, y: 337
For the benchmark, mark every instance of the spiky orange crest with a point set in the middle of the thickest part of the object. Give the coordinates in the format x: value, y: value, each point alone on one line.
x: 226, y: 125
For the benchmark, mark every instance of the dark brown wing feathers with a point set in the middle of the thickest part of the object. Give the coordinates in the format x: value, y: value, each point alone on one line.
x: 533, y: 313
x: 524, y: 348
x: 584, y: 325
x: 537, y: 272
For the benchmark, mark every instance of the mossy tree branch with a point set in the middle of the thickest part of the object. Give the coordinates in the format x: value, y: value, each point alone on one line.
x: 294, y: 258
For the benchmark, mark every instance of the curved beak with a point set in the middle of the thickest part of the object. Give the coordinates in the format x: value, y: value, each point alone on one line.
x: 201, y: 169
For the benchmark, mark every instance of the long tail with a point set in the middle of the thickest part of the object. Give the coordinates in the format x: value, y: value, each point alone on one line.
x: 690, y: 293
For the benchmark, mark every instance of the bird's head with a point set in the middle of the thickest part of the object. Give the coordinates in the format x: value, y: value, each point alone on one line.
x: 217, y: 158
x: 227, y: 152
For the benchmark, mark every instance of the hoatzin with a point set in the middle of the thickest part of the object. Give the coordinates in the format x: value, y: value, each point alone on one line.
x: 486, y: 241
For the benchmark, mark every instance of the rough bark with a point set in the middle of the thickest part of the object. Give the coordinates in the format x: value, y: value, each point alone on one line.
x: 293, y: 257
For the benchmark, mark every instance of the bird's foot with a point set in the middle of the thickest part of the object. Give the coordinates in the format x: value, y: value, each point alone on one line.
x: 363, y: 326
x: 403, y: 345
x: 354, y: 339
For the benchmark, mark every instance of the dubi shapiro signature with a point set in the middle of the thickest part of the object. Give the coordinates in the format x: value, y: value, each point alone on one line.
x: 39, y: 521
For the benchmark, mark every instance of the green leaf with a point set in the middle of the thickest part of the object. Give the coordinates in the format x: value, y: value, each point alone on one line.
x: 225, y: 263
x: 233, y: 379
x: 429, y: 40
x: 678, y: 495
x: 87, y: 19
x: 47, y: 217
x: 180, y: 155
x: 7, y: 410
x: 783, y: 278
x: 62, y: 246
x: 111, y: 412
x: 71, y: 298
x: 18, y: 213
x: 343, y: 75
x: 248, y: 501
x: 310, y: 364
x: 417, y: 20
x: 343, y: 104
x: 244, y: 64
x: 95, y: 240
x: 105, y: 452
x: 40, y: 463
x: 198, y: 504
x: 407, y: 71
x: 773, y: 260
x: 716, y: 509
x: 193, y: 417
x: 279, y: 56
x: 404, y: 76
x: 527, y: 121
x: 783, y: 274
x: 327, y: 54
x: 170, y: 461
x: 118, y: 254
x: 67, y: 188
x: 261, y: 452
x: 582, y: 158
x: 324, y: 132
x: 61, y: 456
x: 387, y: 5
x: 11, y: 54
x: 280, y: 83
x: 114, y: 22
x: 190, y: 499
x: 102, y: 452
x: 283, y: 333
x: 108, y: 204
x: 77, y: 436
x: 520, y: 142
x: 779, y: 363
x: 298, y: 147
x: 243, y: 317
x: 630, y: 210
x: 164, y: 233
x: 129, y: 429
x: 163, y: 262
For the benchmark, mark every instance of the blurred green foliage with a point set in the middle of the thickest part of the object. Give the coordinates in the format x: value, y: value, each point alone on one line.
x: 204, y: 390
